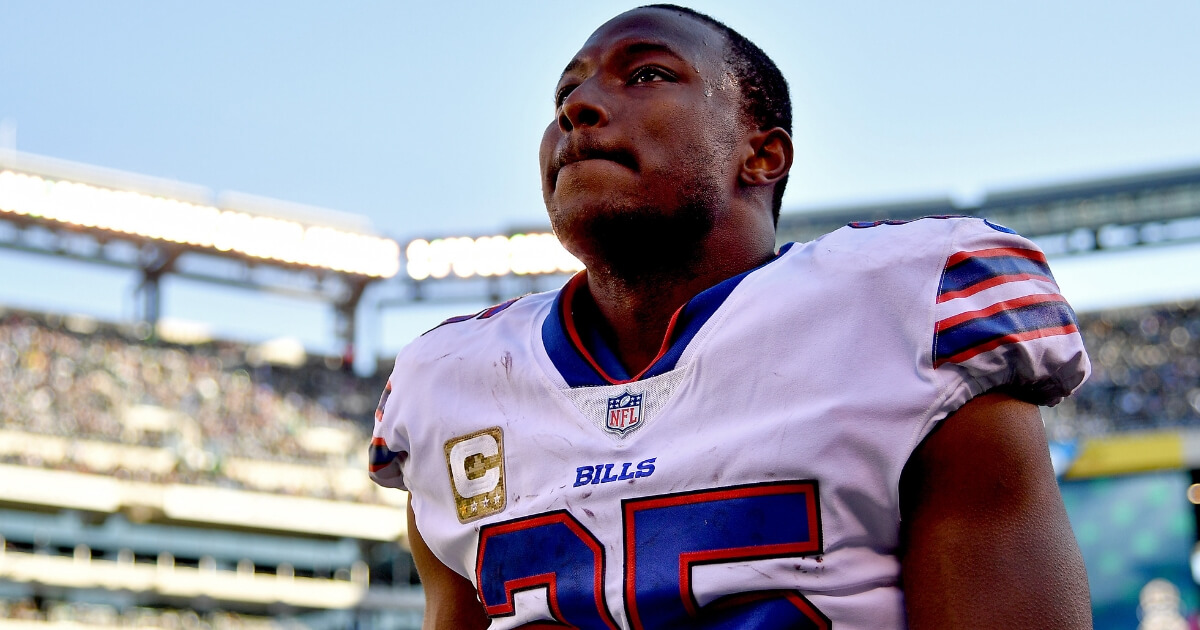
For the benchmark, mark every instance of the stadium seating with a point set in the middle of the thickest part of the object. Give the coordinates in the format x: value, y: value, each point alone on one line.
x: 91, y: 397
x: 1145, y: 373
x: 189, y: 484
x: 95, y: 398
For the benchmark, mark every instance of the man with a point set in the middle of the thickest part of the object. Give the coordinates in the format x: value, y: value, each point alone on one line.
x: 701, y: 432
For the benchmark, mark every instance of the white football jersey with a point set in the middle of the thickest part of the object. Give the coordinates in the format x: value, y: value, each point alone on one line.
x: 749, y: 477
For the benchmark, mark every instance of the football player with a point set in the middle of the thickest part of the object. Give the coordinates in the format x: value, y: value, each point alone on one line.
x: 700, y: 431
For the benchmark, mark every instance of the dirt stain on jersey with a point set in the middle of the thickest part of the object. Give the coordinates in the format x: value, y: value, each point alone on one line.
x: 506, y: 361
x: 499, y: 403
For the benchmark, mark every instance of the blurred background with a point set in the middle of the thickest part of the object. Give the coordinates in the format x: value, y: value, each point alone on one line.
x: 220, y: 221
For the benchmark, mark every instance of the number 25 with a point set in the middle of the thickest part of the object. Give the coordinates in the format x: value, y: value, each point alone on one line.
x: 665, y: 537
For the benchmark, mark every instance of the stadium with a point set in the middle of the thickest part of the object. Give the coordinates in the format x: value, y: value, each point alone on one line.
x: 153, y: 477
x: 189, y: 375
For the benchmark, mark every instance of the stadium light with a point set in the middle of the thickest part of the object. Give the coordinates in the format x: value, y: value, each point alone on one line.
x: 201, y: 226
x: 486, y: 256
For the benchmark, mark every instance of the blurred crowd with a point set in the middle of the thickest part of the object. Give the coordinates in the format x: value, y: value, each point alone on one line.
x: 80, y: 614
x: 81, y: 383
x: 86, y: 382
x: 1145, y: 373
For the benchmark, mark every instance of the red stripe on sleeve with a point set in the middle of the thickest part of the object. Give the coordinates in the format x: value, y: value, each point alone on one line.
x: 1015, y: 303
x: 989, y: 283
x: 1031, y: 254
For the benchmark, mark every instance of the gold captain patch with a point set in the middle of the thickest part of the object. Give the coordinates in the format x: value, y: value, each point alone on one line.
x: 475, y: 463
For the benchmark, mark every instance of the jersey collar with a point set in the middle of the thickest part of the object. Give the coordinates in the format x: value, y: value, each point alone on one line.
x: 583, y: 358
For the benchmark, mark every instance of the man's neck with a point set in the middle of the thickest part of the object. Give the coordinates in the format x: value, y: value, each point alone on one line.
x: 633, y: 313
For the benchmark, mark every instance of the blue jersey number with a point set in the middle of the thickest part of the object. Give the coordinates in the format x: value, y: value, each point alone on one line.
x: 666, y: 537
x: 552, y: 551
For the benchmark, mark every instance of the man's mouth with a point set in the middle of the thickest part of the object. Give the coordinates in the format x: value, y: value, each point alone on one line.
x: 574, y: 156
x: 623, y: 159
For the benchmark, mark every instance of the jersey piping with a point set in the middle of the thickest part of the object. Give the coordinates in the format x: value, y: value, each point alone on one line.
x: 580, y: 367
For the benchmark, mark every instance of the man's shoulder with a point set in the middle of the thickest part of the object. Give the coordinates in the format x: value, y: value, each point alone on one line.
x: 883, y: 245
x: 935, y: 229
x: 880, y: 248
x: 464, y: 336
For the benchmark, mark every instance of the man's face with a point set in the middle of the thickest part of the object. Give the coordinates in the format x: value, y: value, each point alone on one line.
x: 645, y: 139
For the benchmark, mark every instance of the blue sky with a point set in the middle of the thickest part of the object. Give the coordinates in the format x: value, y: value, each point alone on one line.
x: 425, y: 117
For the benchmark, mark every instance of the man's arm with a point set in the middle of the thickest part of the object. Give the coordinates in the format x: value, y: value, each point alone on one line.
x: 450, y: 602
x: 985, y: 537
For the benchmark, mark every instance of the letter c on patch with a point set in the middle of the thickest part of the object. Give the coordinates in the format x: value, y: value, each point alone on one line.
x: 484, y: 445
x: 475, y: 463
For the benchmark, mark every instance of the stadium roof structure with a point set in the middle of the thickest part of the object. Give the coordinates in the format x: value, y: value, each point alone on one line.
x: 159, y: 227
x: 1069, y: 218
x: 1076, y: 217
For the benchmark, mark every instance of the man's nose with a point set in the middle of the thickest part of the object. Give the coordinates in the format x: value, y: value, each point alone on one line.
x: 583, y: 107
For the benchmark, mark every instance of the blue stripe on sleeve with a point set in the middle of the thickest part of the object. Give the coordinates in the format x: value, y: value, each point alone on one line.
x: 380, y: 455
x: 975, y: 332
x: 972, y: 271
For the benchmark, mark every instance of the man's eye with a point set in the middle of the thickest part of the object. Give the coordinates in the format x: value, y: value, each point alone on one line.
x: 650, y: 74
x: 561, y: 94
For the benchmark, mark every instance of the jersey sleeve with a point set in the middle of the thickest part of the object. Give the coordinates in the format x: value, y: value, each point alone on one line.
x: 1000, y: 322
x: 389, y: 446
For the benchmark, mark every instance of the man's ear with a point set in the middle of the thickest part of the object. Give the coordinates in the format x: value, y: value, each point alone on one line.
x: 771, y: 158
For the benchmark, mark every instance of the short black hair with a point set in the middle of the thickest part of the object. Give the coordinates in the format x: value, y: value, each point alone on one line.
x: 764, y: 90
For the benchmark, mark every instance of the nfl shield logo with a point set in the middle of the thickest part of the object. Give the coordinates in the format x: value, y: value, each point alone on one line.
x: 624, y: 413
